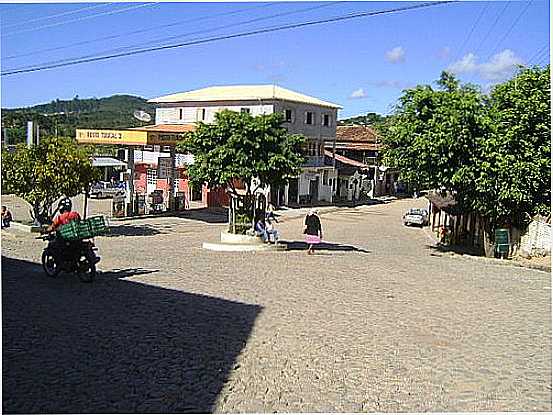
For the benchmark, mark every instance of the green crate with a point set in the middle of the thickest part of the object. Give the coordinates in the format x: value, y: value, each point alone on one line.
x: 98, y: 225
x: 69, y: 231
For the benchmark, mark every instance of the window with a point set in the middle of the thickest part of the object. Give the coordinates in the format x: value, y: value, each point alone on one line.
x: 246, y: 110
x: 151, y: 176
x: 325, y: 177
x: 181, y: 113
x: 201, y: 114
x: 288, y: 115
x: 326, y: 120
x: 309, y: 118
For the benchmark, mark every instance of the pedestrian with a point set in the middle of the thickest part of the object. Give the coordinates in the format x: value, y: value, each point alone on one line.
x: 261, y: 229
x: 313, y: 230
x: 6, y: 217
x: 272, y: 233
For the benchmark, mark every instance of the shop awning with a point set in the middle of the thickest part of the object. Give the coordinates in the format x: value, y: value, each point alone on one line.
x: 107, y: 162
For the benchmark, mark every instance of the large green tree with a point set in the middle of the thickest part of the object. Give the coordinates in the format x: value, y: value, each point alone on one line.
x: 257, y: 151
x: 492, y: 152
x: 43, y: 173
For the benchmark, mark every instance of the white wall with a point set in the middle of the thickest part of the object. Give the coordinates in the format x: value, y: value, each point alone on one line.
x: 192, y: 112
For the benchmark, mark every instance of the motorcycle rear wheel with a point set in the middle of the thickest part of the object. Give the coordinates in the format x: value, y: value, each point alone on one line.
x: 49, y: 265
x: 86, y: 268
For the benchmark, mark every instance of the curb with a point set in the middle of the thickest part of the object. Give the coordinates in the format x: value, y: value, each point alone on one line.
x: 25, y: 228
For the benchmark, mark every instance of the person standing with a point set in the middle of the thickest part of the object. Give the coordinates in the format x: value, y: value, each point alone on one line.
x: 6, y: 217
x: 313, y: 230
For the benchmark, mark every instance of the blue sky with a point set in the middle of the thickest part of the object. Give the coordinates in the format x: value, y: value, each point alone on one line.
x: 362, y: 64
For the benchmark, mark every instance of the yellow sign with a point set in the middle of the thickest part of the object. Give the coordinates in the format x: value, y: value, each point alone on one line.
x: 124, y: 137
x: 127, y: 137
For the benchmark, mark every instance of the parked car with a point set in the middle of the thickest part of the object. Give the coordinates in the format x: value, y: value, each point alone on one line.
x: 106, y: 189
x: 415, y: 216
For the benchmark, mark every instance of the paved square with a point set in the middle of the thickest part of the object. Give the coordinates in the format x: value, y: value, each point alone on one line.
x: 381, y: 322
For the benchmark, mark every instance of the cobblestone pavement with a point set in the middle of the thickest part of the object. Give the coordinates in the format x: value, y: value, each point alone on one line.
x: 378, y: 321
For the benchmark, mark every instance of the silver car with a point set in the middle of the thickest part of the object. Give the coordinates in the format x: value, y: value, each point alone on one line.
x: 415, y: 216
x: 105, y: 189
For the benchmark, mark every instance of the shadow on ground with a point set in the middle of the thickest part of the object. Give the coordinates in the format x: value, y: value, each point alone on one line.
x: 114, y: 346
x: 208, y: 215
x: 456, y: 249
x: 323, y: 246
x: 133, y: 230
x: 125, y: 273
x: 341, y: 203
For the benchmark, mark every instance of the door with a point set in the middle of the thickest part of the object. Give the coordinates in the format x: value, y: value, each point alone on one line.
x: 314, y: 189
x: 293, y: 191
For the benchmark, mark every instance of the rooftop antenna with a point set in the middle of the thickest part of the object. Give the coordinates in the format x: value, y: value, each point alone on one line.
x: 142, y: 116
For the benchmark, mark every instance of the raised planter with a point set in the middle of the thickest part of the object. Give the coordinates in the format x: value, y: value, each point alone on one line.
x: 231, y: 242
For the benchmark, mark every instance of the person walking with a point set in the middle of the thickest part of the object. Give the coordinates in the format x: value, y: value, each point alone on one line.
x: 313, y: 230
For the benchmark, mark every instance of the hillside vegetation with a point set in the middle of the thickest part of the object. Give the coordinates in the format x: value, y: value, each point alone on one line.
x: 61, y: 118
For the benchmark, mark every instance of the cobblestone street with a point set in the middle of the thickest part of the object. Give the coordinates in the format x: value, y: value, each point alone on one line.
x: 377, y: 321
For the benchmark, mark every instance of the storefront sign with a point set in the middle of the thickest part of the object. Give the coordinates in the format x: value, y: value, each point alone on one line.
x: 112, y: 137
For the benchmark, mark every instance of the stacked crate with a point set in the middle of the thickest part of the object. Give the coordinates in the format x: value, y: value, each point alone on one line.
x: 84, y: 229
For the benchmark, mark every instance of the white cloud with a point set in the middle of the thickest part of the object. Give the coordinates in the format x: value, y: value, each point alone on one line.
x: 500, y: 66
x: 396, y: 55
x: 358, y: 94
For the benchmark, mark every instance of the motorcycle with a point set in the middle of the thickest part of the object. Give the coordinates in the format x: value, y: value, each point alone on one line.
x: 69, y: 256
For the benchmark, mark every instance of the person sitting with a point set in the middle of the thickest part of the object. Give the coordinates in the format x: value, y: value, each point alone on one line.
x: 6, y: 217
x: 65, y: 216
x: 272, y: 233
x: 271, y: 213
x: 261, y: 229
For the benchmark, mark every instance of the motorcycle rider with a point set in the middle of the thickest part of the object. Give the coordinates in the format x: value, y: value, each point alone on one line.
x: 66, y: 215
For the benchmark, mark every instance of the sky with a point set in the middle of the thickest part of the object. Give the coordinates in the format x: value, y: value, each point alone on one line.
x: 363, y: 64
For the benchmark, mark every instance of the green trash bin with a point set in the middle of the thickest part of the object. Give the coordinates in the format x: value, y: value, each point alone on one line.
x: 502, y: 242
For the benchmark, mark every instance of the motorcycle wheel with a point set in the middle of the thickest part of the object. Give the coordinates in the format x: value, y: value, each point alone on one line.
x: 87, y: 267
x: 49, y: 264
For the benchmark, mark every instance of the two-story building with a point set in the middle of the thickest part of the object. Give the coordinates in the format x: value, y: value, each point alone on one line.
x: 309, y: 116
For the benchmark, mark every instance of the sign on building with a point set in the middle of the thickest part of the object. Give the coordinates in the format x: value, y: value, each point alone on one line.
x: 164, y: 167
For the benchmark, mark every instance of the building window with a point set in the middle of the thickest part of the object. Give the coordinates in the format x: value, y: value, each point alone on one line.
x: 309, y: 118
x: 246, y: 110
x: 201, y: 114
x: 325, y: 177
x: 181, y: 113
x: 326, y: 120
x: 151, y: 176
x: 288, y: 115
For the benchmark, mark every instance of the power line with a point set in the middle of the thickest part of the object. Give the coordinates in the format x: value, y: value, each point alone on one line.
x: 80, y: 19
x: 96, y: 6
x: 185, y: 35
x: 510, y: 28
x: 492, y: 27
x: 537, y: 54
x: 233, y: 36
x: 461, y: 49
x: 134, y: 32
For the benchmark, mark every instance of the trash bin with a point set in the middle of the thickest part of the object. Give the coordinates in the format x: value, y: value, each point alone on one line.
x: 502, y: 242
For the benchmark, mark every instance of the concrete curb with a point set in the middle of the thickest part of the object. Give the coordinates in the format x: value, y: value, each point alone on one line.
x: 24, y: 228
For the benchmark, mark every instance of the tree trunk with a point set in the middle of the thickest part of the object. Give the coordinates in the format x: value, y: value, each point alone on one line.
x: 488, y: 240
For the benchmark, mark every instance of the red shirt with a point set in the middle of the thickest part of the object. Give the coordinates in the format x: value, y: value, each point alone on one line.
x: 65, y: 218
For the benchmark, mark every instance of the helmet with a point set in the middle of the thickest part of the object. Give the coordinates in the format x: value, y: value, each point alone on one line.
x: 65, y: 205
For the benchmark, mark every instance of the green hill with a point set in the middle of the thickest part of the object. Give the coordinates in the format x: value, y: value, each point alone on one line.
x: 62, y: 117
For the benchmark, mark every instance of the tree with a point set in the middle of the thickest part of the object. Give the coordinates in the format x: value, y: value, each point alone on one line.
x: 258, y: 151
x: 432, y: 135
x: 43, y: 173
x: 492, y: 153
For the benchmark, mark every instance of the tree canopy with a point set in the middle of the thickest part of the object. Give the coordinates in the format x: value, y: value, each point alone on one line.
x: 43, y: 173
x: 239, y: 146
x: 492, y: 152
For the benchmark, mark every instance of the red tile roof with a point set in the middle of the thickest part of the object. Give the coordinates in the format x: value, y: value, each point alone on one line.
x: 346, y: 160
x: 356, y: 133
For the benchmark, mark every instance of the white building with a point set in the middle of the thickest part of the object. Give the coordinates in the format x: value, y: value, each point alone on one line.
x: 312, y: 117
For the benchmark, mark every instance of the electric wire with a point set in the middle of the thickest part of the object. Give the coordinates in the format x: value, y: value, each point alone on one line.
x: 510, y: 29
x: 186, y: 35
x: 537, y: 55
x: 34, y: 29
x: 491, y: 28
x: 96, y: 6
x: 462, y: 48
x: 134, y: 32
x: 226, y: 37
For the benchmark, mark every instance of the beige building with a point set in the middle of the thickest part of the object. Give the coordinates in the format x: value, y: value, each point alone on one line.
x: 312, y: 117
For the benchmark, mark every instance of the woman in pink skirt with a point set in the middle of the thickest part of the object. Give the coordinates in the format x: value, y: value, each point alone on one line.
x: 313, y: 230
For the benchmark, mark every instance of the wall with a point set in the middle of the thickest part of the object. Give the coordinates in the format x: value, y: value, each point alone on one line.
x: 537, y: 239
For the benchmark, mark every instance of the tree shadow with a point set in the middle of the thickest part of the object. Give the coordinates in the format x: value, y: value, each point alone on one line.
x: 456, y: 249
x: 340, y: 203
x: 114, y: 347
x: 208, y: 215
x: 124, y: 273
x: 132, y: 230
x: 323, y: 246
